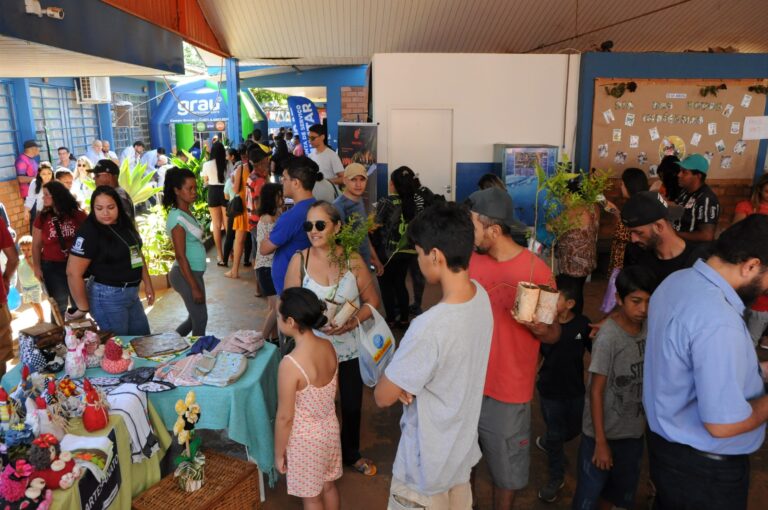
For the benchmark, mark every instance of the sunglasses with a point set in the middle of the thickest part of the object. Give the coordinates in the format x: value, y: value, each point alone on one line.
x: 319, y: 225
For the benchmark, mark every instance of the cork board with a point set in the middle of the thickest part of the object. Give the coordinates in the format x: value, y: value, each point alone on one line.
x: 671, y: 116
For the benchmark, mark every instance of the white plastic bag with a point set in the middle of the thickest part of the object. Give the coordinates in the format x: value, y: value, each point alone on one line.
x: 376, y: 347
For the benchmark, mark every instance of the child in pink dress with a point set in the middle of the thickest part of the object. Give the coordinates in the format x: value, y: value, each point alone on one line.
x: 307, y: 438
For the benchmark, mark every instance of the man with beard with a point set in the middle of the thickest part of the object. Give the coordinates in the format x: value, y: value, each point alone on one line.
x: 703, y: 389
x: 505, y: 416
x: 655, y: 243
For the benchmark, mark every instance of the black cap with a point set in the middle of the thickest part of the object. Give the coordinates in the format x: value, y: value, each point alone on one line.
x: 646, y: 207
x: 496, y: 204
x: 105, y: 165
x: 29, y: 144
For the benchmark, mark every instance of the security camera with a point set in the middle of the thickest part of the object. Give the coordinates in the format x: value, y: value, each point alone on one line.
x: 55, y: 12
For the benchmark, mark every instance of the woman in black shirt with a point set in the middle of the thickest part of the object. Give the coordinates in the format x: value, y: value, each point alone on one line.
x: 108, y: 248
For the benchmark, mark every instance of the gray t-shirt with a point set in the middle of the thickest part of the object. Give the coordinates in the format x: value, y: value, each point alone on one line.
x: 619, y: 356
x: 442, y: 361
x: 347, y: 207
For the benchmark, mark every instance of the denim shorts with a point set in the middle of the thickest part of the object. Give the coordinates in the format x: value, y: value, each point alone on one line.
x: 618, y: 484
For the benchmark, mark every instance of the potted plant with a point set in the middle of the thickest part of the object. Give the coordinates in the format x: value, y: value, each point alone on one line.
x: 559, y: 216
x: 191, y: 462
x: 351, y: 235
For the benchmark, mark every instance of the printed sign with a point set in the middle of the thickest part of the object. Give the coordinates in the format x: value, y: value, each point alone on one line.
x: 304, y: 115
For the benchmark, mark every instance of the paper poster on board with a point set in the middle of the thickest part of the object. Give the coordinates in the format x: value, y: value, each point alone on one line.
x: 755, y: 128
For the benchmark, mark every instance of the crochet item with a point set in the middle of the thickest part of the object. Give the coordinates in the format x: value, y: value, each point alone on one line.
x: 62, y: 473
x: 116, y: 360
x: 14, y: 480
x: 44, y: 450
x: 19, y: 434
x: 95, y: 416
x: 74, y: 363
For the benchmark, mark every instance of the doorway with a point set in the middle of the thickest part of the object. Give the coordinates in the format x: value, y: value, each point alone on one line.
x: 422, y: 139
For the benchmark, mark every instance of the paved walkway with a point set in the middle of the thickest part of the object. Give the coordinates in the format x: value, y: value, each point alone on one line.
x: 232, y: 305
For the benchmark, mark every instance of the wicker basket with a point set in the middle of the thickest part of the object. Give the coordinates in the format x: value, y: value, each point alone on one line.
x: 229, y: 484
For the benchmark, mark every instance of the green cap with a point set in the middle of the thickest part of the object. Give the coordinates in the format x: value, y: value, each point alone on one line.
x: 695, y: 162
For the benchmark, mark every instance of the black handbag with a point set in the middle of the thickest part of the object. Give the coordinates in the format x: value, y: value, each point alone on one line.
x: 235, y: 207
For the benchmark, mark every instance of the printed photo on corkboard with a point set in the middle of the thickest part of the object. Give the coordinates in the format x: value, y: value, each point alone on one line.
x: 678, y: 117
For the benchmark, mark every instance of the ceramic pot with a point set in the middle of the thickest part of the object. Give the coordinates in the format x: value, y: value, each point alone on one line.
x: 546, y: 308
x: 526, y: 300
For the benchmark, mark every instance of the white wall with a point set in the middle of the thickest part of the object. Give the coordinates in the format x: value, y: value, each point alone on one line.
x: 496, y: 98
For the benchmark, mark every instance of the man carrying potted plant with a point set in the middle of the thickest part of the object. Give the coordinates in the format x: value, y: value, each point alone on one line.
x: 499, y: 264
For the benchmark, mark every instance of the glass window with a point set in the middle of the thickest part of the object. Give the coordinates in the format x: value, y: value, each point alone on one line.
x: 7, y: 134
x: 67, y: 123
x: 131, y: 123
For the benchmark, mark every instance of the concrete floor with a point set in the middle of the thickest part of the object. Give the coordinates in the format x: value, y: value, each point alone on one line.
x: 232, y: 305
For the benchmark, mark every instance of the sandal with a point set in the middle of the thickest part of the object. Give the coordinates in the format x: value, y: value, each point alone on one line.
x: 365, y: 467
x: 221, y: 264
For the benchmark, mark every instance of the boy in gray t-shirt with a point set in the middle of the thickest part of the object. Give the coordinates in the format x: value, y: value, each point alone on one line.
x: 439, y: 370
x: 612, y: 442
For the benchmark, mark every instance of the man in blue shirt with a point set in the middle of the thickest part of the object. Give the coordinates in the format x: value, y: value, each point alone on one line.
x: 288, y: 235
x: 703, y: 388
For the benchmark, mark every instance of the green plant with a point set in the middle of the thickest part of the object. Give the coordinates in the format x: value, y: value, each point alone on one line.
x: 136, y: 181
x: 758, y: 89
x: 561, y: 201
x: 351, y: 235
x: 712, y: 89
x: 618, y: 89
x: 157, y: 246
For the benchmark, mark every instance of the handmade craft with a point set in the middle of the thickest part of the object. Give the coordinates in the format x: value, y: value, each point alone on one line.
x: 221, y: 369
x: 159, y: 345
x: 5, y: 410
x: 116, y: 359
x: 191, y: 462
x: 95, y: 415
x: 246, y: 342
x: 75, y: 362
x: 14, y: 480
x: 42, y: 421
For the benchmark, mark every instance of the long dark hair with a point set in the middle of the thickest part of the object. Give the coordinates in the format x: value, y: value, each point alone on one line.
x: 174, y: 179
x: 64, y: 204
x: 404, y: 180
x: 634, y: 180
x: 39, y: 178
x: 268, y: 198
x: 123, y: 220
x: 219, y: 154
x: 668, y: 171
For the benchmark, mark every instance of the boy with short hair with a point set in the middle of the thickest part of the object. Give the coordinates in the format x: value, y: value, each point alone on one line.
x: 438, y: 372
x: 614, y: 421
x: 561, y: 385
x: 31, y: 290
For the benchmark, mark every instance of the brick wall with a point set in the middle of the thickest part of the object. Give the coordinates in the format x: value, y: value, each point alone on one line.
x: 729, y: 192
x: 9, y: 197
x: 354, y: 104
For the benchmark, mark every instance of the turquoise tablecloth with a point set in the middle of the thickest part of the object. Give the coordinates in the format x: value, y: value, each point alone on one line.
x: 245, y: 409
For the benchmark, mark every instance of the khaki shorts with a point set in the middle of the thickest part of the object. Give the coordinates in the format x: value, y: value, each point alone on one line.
x: 459, y: 497
x: 6, y: 334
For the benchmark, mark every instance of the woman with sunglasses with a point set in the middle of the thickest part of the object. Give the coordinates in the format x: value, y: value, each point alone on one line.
x: 323, y: 269
x: 82, y: 167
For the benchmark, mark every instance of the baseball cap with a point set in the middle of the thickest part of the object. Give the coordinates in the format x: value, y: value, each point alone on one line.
x: 646, y: 207
x: 355, y: 169
x: 496, y: 204
x: 695, y: 162
x: 30, y: 143
x: 106, y: 165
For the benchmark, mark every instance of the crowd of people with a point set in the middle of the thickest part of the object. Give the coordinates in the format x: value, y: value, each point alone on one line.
x: 672, y: 366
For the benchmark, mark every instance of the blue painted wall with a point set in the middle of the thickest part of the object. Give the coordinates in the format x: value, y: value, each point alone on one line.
x: 332, y: 78
x: 659, y: 65
x: 95, y: 28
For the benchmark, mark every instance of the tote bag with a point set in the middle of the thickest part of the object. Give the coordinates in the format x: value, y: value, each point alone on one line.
x: 376, y: 347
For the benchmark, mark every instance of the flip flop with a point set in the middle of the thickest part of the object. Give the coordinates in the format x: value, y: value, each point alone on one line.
x: 366, y: 467
x: 221, y: 264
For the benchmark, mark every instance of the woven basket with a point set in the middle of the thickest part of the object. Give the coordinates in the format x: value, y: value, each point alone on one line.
x: 230, y: 484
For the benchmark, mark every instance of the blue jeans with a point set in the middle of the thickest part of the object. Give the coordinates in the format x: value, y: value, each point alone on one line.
x: 117, y: 309
x: 55, y: 278
x: 616, y: 485
x: 563, y: 419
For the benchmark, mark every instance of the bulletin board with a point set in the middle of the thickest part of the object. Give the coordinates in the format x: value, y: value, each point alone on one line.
x: 673, y: 117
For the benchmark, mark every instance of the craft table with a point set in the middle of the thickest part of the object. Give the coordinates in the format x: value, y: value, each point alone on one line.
x: 245, y: 409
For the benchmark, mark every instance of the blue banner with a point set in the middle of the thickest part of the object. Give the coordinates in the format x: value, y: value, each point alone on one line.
x: 304, y: 115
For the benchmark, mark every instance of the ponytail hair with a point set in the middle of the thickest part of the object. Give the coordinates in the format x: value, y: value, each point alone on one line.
x: 174, y: 180
x: 404, y: 180
x: 304, y: 307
